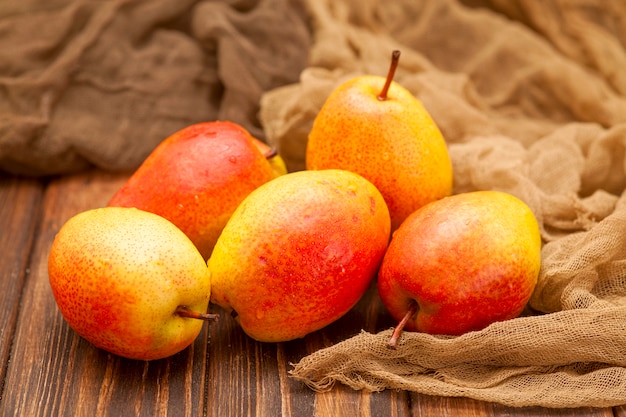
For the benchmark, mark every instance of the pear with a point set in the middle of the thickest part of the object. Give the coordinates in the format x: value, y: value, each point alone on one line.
x: 129, y: 282
x: 461, y: 263
x: 375, y: 127
x: 299, y: 252
x: 197, y: 177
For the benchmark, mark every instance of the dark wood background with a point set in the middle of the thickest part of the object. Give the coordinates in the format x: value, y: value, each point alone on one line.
x: 47, y: 370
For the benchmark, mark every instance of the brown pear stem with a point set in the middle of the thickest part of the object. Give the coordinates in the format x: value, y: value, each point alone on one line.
x: 271, y: 152
x: 395, y: 57
x: 184, y: 311
x: 393, y: 340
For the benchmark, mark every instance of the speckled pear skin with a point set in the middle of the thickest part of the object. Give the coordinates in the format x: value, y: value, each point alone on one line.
x: 467, y: 260
x: 196, y: 178
x: 394, y: 143
x: 299, y: 252
x: 118, y: 276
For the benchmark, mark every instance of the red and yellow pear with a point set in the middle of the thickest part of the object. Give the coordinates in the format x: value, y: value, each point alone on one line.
x: 299, y: 252
x: 461, y: 263
x: 129, y: 282
x: 198, y: 176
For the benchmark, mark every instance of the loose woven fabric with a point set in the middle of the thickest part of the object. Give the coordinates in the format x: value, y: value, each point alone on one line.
x: 88, y: 83
x: 531, y: 98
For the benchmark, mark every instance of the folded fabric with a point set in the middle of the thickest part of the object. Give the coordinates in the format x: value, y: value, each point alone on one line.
x: 101, y: 83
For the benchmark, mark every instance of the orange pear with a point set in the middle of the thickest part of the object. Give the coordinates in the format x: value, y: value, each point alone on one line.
x: 197, y: 177
x: 373, y: 126
x: 299, y: 252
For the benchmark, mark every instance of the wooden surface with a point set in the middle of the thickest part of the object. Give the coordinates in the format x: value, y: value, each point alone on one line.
x: 47, y: 370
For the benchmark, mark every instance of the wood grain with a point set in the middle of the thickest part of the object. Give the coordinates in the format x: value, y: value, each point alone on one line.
x: 20, y: 205
x: 250, y: 378
x: 425, y: 405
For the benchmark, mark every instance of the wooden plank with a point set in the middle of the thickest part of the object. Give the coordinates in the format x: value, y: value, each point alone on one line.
x: 249, y: 378
x: 426, y: 405
x: 243, y: 376
x: 53, y: 372
x: 20, y: 204
x: 369, y: 315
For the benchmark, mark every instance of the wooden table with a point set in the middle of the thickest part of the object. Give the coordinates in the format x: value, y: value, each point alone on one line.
x: 47, y: 370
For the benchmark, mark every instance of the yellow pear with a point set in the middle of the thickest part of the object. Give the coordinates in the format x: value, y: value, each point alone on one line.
x: 129, y: 282
x: 299, y: 252
x: 375, y: 127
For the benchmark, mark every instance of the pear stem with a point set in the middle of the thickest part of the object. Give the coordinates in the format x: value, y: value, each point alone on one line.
x: 393, y: 340
x: 271, y: 152
x: 395, y: 57
x: 184, y: 311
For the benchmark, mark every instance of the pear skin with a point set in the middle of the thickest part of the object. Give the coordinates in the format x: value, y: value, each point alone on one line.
x: 129, y: 282
x: 196, y: 178
x: 299, y: 252
x: 392, y: 141
x: 462, y: 263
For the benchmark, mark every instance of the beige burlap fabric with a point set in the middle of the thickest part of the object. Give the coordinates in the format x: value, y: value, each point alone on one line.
x: 531, y: 98
x: 88, y: 83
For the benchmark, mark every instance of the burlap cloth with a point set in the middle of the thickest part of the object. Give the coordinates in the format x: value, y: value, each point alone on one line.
x: 530, y: 96
x: 101, y: 83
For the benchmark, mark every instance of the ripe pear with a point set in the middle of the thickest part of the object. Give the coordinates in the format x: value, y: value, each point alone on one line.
x: 299, y: 252
x: 461, y: 263
x: 375, y: 127
x: 129, y: 282
x: 197, y: 177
